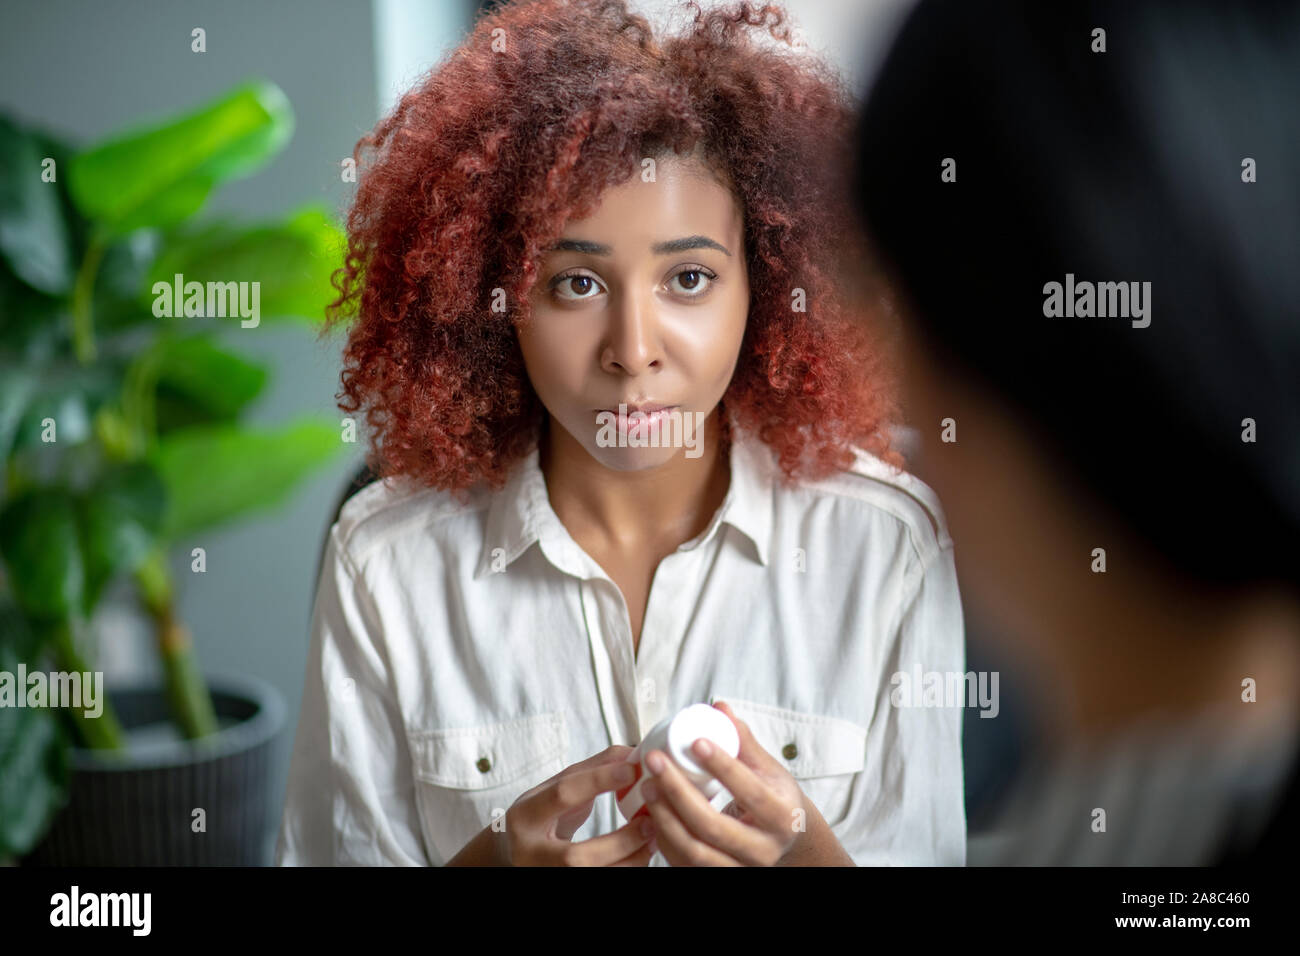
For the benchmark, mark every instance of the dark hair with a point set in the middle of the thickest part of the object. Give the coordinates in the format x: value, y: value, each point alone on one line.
x: 537, y: 112
x: 1123, y: 165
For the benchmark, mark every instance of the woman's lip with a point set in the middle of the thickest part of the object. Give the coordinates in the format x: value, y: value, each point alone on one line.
x: 649, y: 417
x: 645, y: 409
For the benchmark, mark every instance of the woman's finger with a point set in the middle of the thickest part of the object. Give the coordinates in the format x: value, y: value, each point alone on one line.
x: 611, y: 754
x: 611, y: 849
x: 643, y: 853
x: 679, y: 845
x: 697, y: 816
x: 751, y: 751
x: 746, y: 787
x: 640, y: 858
x: 617, y: 753
x: 576, y: 789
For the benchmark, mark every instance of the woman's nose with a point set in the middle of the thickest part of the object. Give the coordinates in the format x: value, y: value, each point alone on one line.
x: 632, y: 342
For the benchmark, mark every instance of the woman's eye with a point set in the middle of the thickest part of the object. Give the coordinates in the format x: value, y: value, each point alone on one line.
x: 693, y: 282
x: 577, y: 285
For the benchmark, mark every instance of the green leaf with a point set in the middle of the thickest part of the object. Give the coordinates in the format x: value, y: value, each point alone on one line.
x: 60, y: 549
x: 17, y: 636
x: 16, y: 387
x: 69, y: 411
x: 180, y: 201
x: 120, y: 519
x: 33, y: 750
x: 42, y: 552
x: 34, y: 237
x: 33, y: 776
x: 291, y: 261
x: 217, y: 473
x: 120, y: 289
x: 161, y: 175
x: 218, y: 383
x: 32, y: 324
x: 71, y: 395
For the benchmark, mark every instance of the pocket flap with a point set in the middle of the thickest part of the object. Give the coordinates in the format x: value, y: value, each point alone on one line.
x: 489, y: 755
x: 807, y: 744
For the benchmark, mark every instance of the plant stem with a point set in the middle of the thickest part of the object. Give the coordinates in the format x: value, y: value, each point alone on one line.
x: 138, y: 389
x: 187, y: 693
x: 83, y: 326
x: 98, y: 733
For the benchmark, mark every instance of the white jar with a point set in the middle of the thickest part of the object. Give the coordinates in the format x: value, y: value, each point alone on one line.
x: 674, y: 736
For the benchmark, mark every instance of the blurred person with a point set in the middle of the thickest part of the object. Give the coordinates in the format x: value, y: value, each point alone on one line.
x: 1122, y: 479
x: 568, y: 216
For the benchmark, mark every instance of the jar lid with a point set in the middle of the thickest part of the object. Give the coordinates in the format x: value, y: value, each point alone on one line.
x: 694, y: 722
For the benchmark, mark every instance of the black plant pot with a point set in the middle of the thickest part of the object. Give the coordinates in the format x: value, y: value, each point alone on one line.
x: 138, y: 808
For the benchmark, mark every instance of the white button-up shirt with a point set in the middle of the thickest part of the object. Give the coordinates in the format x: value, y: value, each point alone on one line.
x: 464, y: 652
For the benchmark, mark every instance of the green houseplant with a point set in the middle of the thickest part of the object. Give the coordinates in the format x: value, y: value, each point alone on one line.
x: 120, y: 406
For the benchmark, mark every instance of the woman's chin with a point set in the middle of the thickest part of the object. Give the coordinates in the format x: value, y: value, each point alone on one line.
x: 633, y: 459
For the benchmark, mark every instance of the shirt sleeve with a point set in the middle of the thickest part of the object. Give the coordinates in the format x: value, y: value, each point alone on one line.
x: 909, y: 808
x: 350, y: 798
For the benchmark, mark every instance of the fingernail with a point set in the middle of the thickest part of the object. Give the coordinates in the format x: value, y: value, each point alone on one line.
x: 625, y: 774
x: 655, y: 762
x: 647, y: 828
x: 702, y: 748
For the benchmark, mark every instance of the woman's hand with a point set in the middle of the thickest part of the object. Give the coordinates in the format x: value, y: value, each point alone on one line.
x: 539, y: 826
x: 766, y: 818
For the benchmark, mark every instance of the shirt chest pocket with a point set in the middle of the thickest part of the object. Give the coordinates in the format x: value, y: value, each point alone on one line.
x: 467, y: 776
x: 825, y: 754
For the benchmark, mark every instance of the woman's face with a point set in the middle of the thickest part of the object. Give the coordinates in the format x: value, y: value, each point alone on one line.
x: 643, y: 303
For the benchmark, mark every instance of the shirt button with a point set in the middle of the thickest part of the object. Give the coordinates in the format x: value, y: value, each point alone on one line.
x: 789, y: 751
x: 484, y: 765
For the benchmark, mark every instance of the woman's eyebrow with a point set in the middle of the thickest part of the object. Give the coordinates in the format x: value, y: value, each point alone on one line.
x: 659, y: 248
x: 690, y: 242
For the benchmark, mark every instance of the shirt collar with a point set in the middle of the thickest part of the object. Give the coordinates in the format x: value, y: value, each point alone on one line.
x: 520, y: 514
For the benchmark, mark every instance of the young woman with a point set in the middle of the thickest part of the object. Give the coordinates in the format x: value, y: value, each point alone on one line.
x: 635, y: 452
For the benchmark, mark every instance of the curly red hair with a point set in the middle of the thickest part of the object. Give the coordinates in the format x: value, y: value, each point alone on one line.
x: 541, y: 108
